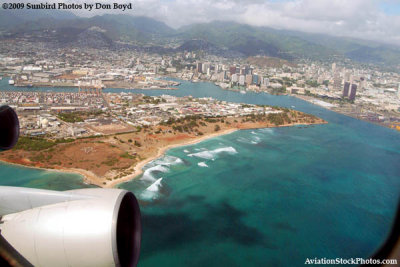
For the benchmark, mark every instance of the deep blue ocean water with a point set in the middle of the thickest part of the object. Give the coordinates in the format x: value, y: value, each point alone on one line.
x: 265, y: 197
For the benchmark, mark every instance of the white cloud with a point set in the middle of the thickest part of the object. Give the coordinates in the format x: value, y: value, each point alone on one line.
x: 356, y: 18
x: 353, y: 18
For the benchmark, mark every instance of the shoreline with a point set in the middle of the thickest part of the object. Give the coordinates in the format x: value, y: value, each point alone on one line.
x: 308, y: 100
x: 81, y: 172
x: 90, y: 178
x: 138, y: 169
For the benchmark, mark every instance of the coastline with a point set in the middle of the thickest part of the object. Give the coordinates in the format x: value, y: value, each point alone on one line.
x: 311, y: 101
x: 81, y: 172
x: 89, y: 177
x: 138, y: 169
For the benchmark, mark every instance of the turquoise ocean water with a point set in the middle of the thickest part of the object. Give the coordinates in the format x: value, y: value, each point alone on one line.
x: 12, y: 175
x: 265, y: 197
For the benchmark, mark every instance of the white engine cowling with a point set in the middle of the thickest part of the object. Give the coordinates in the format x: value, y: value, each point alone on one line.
x: 91, y: 227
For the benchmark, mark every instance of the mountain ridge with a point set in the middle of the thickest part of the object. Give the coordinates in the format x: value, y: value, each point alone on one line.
x: 218, y: 37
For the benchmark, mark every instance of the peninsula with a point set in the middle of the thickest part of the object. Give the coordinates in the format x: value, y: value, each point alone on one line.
x: 108, y: 150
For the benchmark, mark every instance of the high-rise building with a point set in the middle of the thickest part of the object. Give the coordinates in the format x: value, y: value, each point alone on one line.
x: 237, y: 69
x: 249, y: 79
x: 337, y: 81
x: 353, y: 92
x: 225, y: 74
x: 241, y: 79
x: 205, y: 67
x: 199, y: 67
x: 346, y: 89
x: 235, y: 78
x: 333, y: 67
x: 255, y: 79
x: 247, y: 70
x: 232, y: 70
x: 265, y: 82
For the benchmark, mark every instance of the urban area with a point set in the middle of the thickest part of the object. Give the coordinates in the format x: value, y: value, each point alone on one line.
x: 361, y: 91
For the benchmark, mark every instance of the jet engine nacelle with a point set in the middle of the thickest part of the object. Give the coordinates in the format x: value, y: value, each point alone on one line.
x: 9, y: 128
x: 85, y: 227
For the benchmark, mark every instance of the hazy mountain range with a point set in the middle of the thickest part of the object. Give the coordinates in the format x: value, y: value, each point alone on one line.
x: 218, y: 37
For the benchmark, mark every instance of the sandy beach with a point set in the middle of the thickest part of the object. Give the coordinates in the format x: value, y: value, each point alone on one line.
x: 91, y: 178
x: 138, y: 169
x: 115, y: 159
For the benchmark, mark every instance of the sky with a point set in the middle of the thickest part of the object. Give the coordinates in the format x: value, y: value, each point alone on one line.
x: 377, y: 20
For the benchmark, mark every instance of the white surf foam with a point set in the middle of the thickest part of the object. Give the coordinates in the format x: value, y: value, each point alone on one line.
x: 202, y: 164
x: 211, y: 154
x: 151, y: 192
x: 229, y: 149
x: 203, y: 155
x: 168, y: 161
x: 154, y: 187
x: 147, y: 174
x: 256, y: 140
x: 186, y: 151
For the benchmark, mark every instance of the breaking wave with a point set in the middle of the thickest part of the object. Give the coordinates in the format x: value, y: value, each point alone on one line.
x: 168, y: 161
x: 202, y: 164
x: 148, y: 173
x: 253, y: 140
x: 256, y: 140
x: 210, y: 154
x: 151, y: 192
x: 154, y: 186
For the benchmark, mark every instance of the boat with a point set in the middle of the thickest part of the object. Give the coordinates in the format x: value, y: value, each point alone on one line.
x: 11, y: 82
x: 242, y: 92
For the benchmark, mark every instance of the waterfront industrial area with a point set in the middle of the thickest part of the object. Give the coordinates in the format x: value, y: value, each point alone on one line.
x: 359, y: 90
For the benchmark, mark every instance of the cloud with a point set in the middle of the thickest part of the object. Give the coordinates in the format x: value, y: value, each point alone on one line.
x: 365, y: 19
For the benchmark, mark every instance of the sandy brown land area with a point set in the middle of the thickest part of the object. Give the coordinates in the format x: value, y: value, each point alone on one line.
x: 135, y: 85
x: 111, y: 128
x: 109, y: 160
